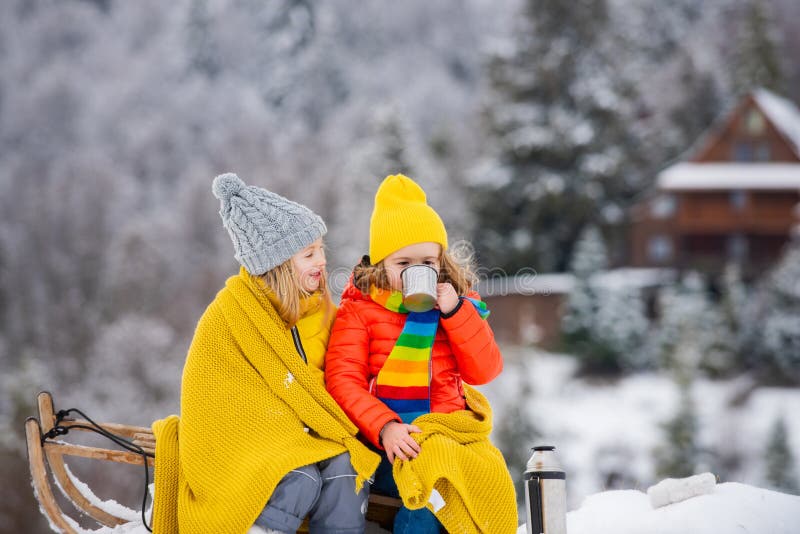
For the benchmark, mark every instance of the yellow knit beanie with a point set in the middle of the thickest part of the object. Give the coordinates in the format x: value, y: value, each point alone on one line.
x: 402, y: 217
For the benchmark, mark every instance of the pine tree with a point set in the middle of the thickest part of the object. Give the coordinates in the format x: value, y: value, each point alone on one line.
x: 621, y: 324
x: 603, y: 326
x: 387, y: 148
x: 700, y: 106
x: 735, y: 308
x: 560, y: 115
x: 677, y: 456
x: 203, y: 55
x: 590, y: 256
x: 779, y: 341
x: 688, y: 318
x: 588, y: 259
x: 578, y: 325
x: 757, y: 61
x: 516, y: 434
x: 781, y: 473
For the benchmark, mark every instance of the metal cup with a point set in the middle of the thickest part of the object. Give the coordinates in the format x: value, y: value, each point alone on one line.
x: 419, y: 287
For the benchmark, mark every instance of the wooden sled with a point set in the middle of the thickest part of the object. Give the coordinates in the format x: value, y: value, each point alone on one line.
x: 46, y: 458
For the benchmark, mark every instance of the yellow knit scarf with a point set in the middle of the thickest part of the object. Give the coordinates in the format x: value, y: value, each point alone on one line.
x: 250, y: 412
x: 461, y: 464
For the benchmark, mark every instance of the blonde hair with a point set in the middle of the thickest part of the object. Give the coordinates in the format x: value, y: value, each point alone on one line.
x: 284, y: 283
x: 456, y: 267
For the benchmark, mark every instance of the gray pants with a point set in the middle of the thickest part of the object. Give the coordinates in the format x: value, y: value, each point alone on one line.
x: 325, y: 492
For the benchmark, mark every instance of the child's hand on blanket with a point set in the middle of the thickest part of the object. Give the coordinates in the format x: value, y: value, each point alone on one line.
x: 397, y: 441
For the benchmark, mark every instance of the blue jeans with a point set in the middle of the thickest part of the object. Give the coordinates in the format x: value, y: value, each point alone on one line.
x: 406, y: 521
x: 325, y: 492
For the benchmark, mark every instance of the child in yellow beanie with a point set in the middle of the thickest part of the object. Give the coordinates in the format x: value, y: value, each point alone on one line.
x: 400, y: 375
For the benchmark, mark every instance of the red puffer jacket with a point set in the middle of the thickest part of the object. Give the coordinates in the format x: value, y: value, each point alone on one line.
x: 364, y: 334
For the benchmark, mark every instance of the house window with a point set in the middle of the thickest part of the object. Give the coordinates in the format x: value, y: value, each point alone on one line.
x: 738, y: 200
x: 659, y: 248
x: 762, y: 152
x: 737, y: 246
x: 742, y: 151
x: 663, y: 206
x: 754, y: 122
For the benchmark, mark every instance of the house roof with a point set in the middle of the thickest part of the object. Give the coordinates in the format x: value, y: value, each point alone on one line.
x: 726, y: 176
x: 783, y: 114
x: 780, y: 112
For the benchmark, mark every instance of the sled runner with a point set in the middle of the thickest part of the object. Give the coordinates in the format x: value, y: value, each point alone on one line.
x: 47, y: 449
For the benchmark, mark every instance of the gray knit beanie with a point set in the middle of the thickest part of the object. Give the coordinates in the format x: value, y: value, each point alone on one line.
x: 266, y: 228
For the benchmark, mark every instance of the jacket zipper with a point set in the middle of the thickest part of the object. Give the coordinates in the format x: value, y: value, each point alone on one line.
x: 298, y: 344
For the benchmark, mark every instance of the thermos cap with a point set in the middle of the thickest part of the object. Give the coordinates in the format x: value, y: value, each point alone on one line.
x: 543, y: 459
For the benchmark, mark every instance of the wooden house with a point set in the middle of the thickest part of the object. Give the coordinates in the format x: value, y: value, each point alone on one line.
x: 733, y: 199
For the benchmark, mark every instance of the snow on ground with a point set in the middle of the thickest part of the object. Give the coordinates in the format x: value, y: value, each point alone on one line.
x: 602, y: 428
x: 731, y: 508
x: 136, y: 527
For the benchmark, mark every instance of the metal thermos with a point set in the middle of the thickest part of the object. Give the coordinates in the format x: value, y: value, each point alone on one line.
x: 419, y: 287
x: 545, y: 493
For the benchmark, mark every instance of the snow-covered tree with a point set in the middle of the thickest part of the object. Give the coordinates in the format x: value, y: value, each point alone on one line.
x: 775, y: 340
x: 590, y: 256
x: 690, y: 111
x: 781, y: 468
x: 614, y: 464
x: 588, y: 259
x: 204, y: 51
x: 780, y: 339
x: 677, y: 455
x: 386, y: 148
x: 131, y: 372
x: 515, y: 434
x: 621, y: 323
x: 604, y: 324
x: 579, y: 322
x: 560, y: 112
x: 691, y: 324
x: 758, y: 62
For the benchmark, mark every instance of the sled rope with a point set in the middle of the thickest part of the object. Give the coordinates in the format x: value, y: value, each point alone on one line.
x: 60, y: 430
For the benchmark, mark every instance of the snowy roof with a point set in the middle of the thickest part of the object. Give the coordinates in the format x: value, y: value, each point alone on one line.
x: 525, y: 284
x: 730, y: 176
x: 561, y: 283
x: 782, y: 113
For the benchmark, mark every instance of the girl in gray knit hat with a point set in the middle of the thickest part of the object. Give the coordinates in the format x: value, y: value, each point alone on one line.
x: 260, y: 439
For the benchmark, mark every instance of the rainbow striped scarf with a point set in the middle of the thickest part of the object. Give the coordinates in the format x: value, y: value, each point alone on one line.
x: 403, y: 383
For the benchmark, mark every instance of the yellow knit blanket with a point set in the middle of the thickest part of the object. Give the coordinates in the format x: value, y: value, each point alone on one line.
x: 250, y: 412
x: 461, y: 464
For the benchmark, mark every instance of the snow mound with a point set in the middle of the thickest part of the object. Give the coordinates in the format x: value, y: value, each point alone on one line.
x: 732, y: 508
x: 674, y: 490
